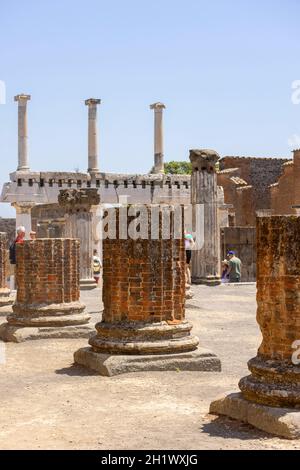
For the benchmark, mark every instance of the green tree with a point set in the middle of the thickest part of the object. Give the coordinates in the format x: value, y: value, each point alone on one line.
x: 178, y: 168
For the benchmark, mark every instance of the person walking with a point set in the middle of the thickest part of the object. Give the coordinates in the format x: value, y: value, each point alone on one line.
x: 189, y: 244
x: 225, y: 269
x: 21, y: 232
x: 97, y: 265
x: 19, y: 239
x: 235, y: 267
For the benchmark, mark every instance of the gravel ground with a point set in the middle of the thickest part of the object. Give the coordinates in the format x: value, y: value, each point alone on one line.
x: 48, y: 403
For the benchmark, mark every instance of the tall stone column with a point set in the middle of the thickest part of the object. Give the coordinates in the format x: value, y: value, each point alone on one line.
x: 204, y: 199
x: 270, y: 395
x: 143, y: 325
x: 79, y: 206
x: 23, y: 216
x: 5, y: 298
x: 158, y: 137
x: 93, y: 165
x: 47, y: 303
x: 23, y: 163
x: 296, y: 176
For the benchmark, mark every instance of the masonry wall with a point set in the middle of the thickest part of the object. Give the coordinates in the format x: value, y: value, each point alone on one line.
x: 242, y: 240
x: 282, y: 193
x: 278, y: 283
x: 3, y: 260
x: 259, y: 173
x: 9, y: 227
x: 143, y: 279
x: 47, y: 271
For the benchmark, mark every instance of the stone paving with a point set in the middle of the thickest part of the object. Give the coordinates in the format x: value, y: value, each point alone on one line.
x: 48, y: 403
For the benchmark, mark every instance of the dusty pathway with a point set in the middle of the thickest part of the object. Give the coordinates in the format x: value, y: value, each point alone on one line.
x: 46, y: 402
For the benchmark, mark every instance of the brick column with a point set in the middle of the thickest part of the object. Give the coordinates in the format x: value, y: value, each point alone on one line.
x: 270, y: 398
x: 5, y: 298
x: 47, y: 303
x: 79, y: 205
x: 143, y: 325
x: 204, y: 197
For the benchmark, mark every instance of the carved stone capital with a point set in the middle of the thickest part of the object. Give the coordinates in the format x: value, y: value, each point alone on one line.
x: 74, y: 200
x: 204, y: 159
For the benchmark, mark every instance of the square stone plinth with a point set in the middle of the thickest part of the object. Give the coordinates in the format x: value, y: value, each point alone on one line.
x: 109, y: 365
x: 283, y: 422
x: 17, y: 334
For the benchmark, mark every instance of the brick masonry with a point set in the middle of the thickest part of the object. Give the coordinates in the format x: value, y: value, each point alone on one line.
x: 143, y: 280
x: 47, y: 302
x: 258, y: 172
x: 3, y: 260
x: 274, y: 379
x: 144, y: 285
x: 47, y: 271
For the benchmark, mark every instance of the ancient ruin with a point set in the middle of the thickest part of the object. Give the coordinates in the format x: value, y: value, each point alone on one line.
x: 47, y: 303
x: 5, y: 294
x: 204, y: 197
x: 143, y: 325
x: 80, y: 206
x: 270, y: 396
x: 239, y: 189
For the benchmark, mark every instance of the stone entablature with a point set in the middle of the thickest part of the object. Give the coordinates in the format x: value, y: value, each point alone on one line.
x: 44, y: 187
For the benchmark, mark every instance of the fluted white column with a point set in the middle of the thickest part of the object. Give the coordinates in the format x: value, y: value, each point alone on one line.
x: 93, y: 164
x: 23, y: 163
x: 204, y: 196
x: 158, y: 137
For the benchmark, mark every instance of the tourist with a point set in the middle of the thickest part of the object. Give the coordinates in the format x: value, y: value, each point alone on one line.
x: 235, y: 265
x: 189, y: 244
x: 225, y: 269
x: 97, y: 265
x: 32, y: 235
x: 19, y: 239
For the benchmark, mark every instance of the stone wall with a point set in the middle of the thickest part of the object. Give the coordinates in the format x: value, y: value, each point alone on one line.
x: 242, y: 240
x: 285, y: 193
x: 258, y: 172
x: 239, y: 195
x: 3, y: 260
x: 9, y: 227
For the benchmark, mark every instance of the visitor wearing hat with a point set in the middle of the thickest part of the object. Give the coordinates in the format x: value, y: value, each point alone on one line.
x: 235, y: 267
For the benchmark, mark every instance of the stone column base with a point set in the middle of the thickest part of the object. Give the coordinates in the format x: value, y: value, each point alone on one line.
x: 5, y: 297
x: 283, y: 422
x: 208, y: 280
x: 16, y: 334
x: 88, y: 284
x: 46, y: 321
x: 109, y: 365
x: 272, y: 383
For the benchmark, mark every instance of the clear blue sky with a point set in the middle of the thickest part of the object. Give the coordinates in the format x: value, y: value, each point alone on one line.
x: 224, y: 69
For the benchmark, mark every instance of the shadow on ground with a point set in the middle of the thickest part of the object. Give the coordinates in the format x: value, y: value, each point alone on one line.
x: 227, y: 428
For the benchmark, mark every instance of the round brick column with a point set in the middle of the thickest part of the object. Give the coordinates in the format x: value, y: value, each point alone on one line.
x: 274, y: 379
x: 5, y: 298
x: 143, y: 294
x: 47, y: 302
